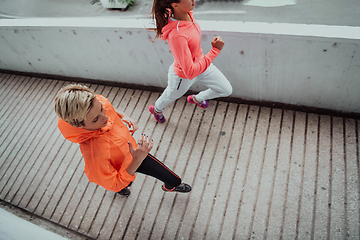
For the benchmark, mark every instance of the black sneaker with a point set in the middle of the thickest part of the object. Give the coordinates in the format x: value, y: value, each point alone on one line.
x: 125, y: 192
x: 183, y: 187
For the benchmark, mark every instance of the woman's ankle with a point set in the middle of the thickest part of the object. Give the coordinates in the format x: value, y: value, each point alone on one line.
x: 157, y: 112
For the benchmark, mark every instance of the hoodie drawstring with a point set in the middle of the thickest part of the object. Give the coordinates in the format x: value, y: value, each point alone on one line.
x: 91, y: 148
x: 177, y: 26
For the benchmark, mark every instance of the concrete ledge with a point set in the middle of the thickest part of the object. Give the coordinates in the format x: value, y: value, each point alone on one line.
x: 309, y: 30
x: 293, y: 64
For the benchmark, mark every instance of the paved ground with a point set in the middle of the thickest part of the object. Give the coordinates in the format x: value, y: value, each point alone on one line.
x: 327, y: 12
x: 256, y: 172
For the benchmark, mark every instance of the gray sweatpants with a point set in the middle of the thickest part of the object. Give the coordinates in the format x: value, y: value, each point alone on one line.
x: 217, y: 83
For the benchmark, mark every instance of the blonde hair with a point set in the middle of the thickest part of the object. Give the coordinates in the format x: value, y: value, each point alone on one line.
x: 73, y: 102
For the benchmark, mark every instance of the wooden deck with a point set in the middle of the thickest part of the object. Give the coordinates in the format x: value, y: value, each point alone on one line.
x: 256, y: 172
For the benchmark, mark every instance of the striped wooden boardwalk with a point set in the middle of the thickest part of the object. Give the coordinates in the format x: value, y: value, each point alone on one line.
x: 256, y: 172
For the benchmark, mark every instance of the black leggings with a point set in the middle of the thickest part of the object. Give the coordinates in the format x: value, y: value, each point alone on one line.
x: 153, y: 167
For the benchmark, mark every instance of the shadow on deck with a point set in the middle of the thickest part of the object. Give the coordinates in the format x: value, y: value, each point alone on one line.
x: 256, y: 172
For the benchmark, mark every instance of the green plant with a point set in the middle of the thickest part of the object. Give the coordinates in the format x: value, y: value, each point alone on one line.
x: 129, y: 2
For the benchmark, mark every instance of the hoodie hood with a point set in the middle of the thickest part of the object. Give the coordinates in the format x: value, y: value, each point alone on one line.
x: 177, y: 25
x: 74, y: 134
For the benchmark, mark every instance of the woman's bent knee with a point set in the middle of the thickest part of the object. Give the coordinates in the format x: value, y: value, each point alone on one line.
x: 227, y: 91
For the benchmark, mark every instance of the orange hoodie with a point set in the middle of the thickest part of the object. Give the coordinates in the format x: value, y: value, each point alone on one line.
x: 106, y: 151
x: 184, y: 39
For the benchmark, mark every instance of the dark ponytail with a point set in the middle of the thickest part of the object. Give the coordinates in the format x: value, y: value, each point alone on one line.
x: 161, y: 12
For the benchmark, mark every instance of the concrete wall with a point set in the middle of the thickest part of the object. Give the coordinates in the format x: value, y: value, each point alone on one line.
x: 310, y: 65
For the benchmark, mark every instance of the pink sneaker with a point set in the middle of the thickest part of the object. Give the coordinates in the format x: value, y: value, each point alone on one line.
x: 202, y: 104
x: 158, y: 116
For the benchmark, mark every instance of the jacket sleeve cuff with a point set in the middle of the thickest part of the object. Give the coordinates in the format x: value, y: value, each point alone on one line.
x: 126, y: 176
x: 213, y: 53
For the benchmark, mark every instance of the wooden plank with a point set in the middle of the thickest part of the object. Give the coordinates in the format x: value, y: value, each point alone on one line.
x: 263, y: 202
x: 44, y: 177
x: 53, y: 178
x: 307, y: 203
x: 81, y: 209
x: 221, y: 170
x: 186, y: 165
x: 42, y: 173
x: 27, y: 112
x: 97, y: 89
x: 117, y: 98
x: 101, y: 215
x: 158, y: 208
x: 155, y: 194
x: 18, y: 112
x: 114, y: 220
x: 277, y: 208
x: 106, y: 91
x: 133, y: 101
x: 338, y: 185
x: 59, y: 208
x: 295, y: 177
x: 358, y: 155
x: 15, y: 109
x: 66, y: 216
x: 21, y: 141
x: 14, y: 85
x: 140, y: 113
x: 3, y: 78
x: 208, y: 158
x: 141, y: 106
x: 322, y: 208
x: 112, y: 94
x: 241, y: 171
x: 221, y: 202
x: 126, y: 100
x: 147, y: 123
x: 36, y: 173
x: 59, y: 193
x: 93, y: 208
x: 51, y: 141
x: 5, y: 82
x: 196, y: 166
x: 352, y: 183
x: 251, y: 185
x: 210, y: 169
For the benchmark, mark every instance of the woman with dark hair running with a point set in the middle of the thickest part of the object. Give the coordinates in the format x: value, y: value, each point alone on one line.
x: 175, y: 23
